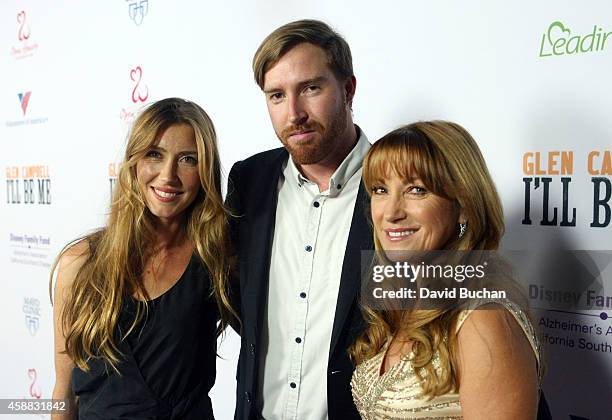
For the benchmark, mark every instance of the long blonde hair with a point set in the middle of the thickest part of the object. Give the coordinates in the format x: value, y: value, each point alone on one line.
x: 117, y: 253
x: 448, y: 161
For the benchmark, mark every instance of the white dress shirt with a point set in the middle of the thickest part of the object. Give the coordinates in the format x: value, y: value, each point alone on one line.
x: 310, y: 237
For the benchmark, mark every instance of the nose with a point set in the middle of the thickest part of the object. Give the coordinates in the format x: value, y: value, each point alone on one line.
x: 168, y: 171
x: 297, y: 113
x: 394, y: 209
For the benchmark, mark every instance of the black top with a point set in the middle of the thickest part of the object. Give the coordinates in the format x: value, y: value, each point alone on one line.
x: 168, y: 366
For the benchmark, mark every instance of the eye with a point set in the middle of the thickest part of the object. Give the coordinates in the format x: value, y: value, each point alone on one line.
x: 153, y: 154
x: 416, y: 190
x: 312, y: 89
x: 378, y: 190
x: 275, y: 97
x: 189, y: 160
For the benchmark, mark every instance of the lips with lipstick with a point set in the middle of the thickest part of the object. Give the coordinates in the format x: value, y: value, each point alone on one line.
x: 398, y: 234
x: 165, y: 195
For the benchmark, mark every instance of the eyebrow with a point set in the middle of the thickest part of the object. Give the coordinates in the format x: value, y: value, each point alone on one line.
x: 181, y: 153
x: 314, y: 80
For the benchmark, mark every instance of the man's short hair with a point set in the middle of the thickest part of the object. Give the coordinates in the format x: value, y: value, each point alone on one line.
x: 315, y: 32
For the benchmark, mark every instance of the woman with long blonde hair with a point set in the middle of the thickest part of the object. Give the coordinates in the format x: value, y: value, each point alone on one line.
x: 430, y: 190
x: 137, y: 303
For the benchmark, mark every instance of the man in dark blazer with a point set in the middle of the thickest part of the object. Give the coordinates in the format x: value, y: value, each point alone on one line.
x: 299, y: 227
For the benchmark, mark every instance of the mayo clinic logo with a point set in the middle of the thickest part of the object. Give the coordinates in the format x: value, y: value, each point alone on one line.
x: 31, y: 310
x: 138, y: 10
x: 24, y: 100
x: 26, y: 47
x: 558, y: 40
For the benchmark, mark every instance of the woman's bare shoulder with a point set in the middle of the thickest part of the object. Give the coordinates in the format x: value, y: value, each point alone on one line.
x: 71, y: 261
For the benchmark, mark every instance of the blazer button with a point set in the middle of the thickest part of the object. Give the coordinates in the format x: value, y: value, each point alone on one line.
x: 252, y: 348
x: 247, y: 395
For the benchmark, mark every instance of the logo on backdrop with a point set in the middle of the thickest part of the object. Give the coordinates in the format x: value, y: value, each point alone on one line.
x: 28, y: 185
x: 553, y: 171
x: 31, y: 309
x: 25, y: 48
x: 24, y: 102
x: 33, y: 250
x: 138, y: 10
x: 24, y: 28
x: 558, y: 40
x: 34, y: 388
x: 139, y: 93
x: 24, y: 99
x: 113, y: 173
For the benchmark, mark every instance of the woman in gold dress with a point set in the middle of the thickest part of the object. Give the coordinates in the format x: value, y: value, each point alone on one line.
x: 430, y: 189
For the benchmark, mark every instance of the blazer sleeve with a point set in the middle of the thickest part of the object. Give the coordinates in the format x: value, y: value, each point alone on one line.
x: 233, y: 203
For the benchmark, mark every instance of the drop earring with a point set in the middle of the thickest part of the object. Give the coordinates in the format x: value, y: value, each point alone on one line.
x: 462, y: 229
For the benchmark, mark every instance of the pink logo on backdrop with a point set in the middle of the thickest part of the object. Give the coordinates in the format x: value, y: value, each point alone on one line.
x: 140, y: 93
x: 24, y: 29
x: 24, y: 100
x: 34, y: 387
x: 26, y: 47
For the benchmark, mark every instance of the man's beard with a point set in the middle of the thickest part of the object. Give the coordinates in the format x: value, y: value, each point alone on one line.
x: 308, y: 152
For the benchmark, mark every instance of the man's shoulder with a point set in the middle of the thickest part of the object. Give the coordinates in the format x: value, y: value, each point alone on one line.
x: 258, y: 168
x: 267, y: 157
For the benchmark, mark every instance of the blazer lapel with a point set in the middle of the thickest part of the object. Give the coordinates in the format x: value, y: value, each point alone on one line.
x: 360, y: 238
x: 262, y: 217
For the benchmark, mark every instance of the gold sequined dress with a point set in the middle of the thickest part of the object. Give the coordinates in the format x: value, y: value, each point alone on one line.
x: 396, y: 394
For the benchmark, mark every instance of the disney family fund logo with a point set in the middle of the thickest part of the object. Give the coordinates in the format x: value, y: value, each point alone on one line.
x: 559, y: 40
x: 138, y: 10
x: 28, y: 185
x: 24, y: 102
x: 139, y: 93
x: 26, y: 47
x: 34, y: 250
x: 31, y: 309
x: 548, y: 181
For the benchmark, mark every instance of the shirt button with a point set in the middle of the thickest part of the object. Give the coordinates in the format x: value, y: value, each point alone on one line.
x: 292, y: 385
x: 308, y: 248
x: 339, y: 186
x: 303, y: 295
x: 248, y: 396
x: 298, y: 340
x: 316, y: 204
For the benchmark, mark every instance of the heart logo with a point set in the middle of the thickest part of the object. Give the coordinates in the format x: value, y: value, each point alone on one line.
x: 559, y: 26
x: 22, y: 35
x: 137, y: 93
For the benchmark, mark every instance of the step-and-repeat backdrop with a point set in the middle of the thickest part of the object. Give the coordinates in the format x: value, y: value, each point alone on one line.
x: 530, y: 80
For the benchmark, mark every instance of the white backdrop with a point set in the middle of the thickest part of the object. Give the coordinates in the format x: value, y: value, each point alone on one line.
x: 513, y: 73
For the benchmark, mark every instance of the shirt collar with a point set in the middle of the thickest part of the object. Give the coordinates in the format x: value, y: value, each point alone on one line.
x: 349, y: 166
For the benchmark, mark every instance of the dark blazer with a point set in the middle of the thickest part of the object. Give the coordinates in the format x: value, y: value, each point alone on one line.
x: 252, y: 197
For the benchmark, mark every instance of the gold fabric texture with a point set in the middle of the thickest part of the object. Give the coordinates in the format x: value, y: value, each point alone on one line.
x: 396, y: 394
